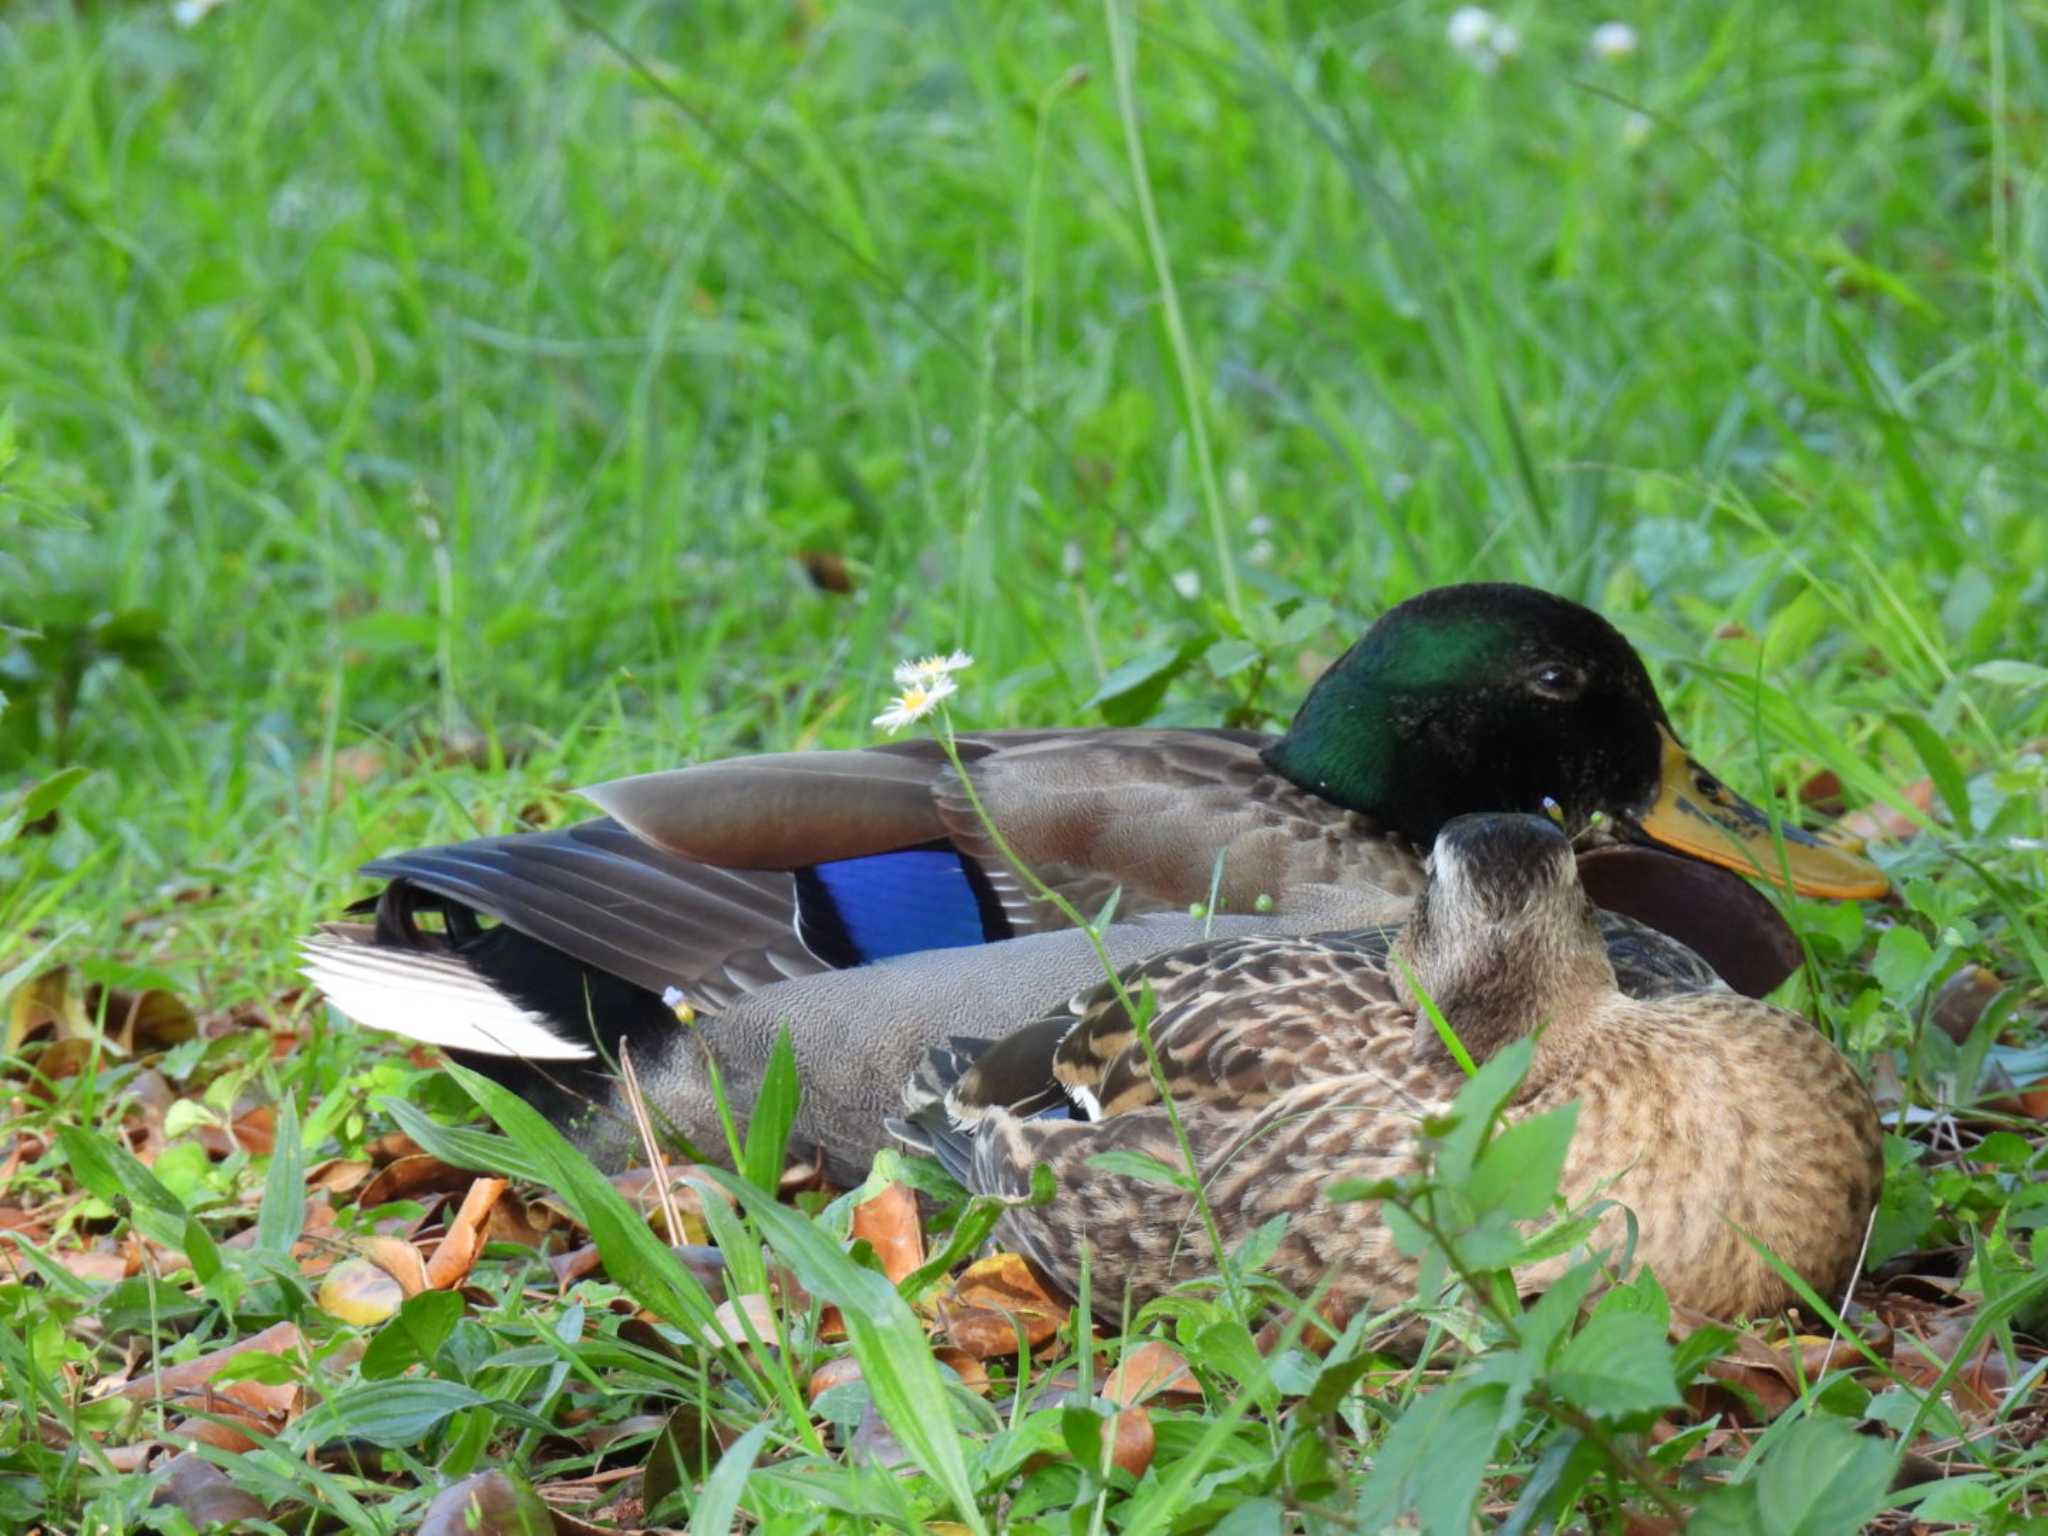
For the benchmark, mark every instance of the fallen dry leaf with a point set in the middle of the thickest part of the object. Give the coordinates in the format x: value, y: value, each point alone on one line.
x: 337, y: 1175
x: 727, y: 1328
x: 253, y: 1130
x: 972, y: 1373
x: 833, y: 1373
x: 1133, y: 1442
x: 205, y: 1494
x: 230, y: 1425
x: 1148, y: 1371
x: 390, y: 1147
x: 1962, y: 1000
x: 994, y: 1300
x: 827, y: 570
x: 1977, y: 1390
x: 457, y: 1252
x: 397, y: 1258
x: 97, y: 1267
x: 511, y: 1222
x: 888, y: 1221
x: 194, y: 1375
x: 1884, y: 823
x: 360, y: 1293
x: 493, y: 1503
x: 575, y: 1264
x: 65, y: 1007
x: 874, y: 1442
x: 409, y: 1177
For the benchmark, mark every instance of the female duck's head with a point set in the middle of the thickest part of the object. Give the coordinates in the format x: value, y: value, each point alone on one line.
x: 1503, y: 941
x: 1492, y: 697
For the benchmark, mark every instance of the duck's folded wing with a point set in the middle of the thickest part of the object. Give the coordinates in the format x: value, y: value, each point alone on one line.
x: 601, y: 895
x: 789, y: 810
x: 1170, y: 816
x: 1088, y: 811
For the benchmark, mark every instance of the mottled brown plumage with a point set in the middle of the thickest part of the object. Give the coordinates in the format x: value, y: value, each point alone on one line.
x: 1295, y: 1062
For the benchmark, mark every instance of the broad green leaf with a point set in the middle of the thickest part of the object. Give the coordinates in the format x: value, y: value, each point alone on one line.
x: 1901, y: 960
x: 39, y: 800
x: 1729, y: 1510
x: 1254, y: 1517
x: 283, y: 1212
x: 1518, y: 1170
x: 773, y: 1114
x: 1941, y: 767
x: 417, y: 1333
x: 1551, y: 1315
x: 396, y: 1412
x: 2011, y: 674
x: 1257, y: 1250
x: 1966, y: 1501
x: 719, y: 1499
x: 1227, y: 1346
x: 1474, y: 1110
x: 1618, y: 1364
x: 1822, y: 1478
x: 1131, y: 692
x: 1431, y: 1462
x: 633, y: 1255
x: 1643, y: 1294
x: 465, y: 1148
x: 1081, y: 1431
x: 111, y: 1171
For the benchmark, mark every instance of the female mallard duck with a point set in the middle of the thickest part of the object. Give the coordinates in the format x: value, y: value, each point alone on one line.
x: 1298, y: 1060
x: 857, y: 896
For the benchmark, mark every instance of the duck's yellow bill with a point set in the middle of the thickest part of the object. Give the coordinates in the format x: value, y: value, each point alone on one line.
x: 1696, y: 813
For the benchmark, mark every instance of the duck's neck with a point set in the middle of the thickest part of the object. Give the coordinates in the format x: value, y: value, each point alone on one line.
x: 1343, y: 749
x: 1380, y: 732
x: 1495, y: 989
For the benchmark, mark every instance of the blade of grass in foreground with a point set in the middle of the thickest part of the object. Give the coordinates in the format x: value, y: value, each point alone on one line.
x: 887, y: 1339
x: 633, y: 1255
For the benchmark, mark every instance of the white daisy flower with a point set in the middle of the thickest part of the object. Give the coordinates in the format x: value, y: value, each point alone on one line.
x: 918, y: 699
x: 1188, y: 584
x: 1482, y: 37
x: 1612, y: 41
x: 930, y: 669
x: 1470, y: 27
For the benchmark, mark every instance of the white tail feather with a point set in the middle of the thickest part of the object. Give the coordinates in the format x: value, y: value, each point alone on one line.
x: 436, y: 999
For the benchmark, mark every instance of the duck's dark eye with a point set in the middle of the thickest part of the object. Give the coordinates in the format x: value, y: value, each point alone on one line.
x: 1555, y: 681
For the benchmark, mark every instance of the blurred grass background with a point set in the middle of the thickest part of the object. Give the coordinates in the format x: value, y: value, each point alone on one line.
x: 416, y: 410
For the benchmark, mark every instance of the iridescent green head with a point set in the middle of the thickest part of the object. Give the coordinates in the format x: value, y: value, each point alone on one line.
x: 1493, y: 697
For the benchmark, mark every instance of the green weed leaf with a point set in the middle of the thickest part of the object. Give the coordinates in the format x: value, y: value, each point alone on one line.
x: 774, y: 1113
x: 1618, y: 1364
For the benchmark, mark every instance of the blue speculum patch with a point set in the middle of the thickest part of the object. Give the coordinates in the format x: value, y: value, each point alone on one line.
x: 897, y: 903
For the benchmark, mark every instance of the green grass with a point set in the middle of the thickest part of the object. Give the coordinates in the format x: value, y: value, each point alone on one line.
x: 416, y: 411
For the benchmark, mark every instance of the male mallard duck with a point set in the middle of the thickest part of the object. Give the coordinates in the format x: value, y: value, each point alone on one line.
x: 1295, y: 1061
x: 856, y: 895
